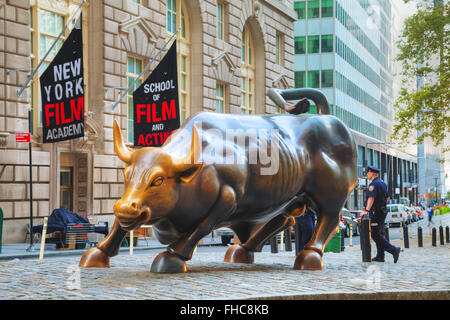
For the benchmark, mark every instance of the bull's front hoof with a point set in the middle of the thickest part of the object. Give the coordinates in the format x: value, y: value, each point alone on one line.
x: 94, y: 258
x: 167, y: 262
x: 238, y: 254
x: 308, y: 260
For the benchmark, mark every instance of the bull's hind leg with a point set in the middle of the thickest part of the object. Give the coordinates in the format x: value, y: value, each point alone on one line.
x: 255, y: 242
x: 108, y: 247
x: 327, y: 222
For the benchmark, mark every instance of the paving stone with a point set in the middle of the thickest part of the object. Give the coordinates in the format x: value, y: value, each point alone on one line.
x: 210, y: 278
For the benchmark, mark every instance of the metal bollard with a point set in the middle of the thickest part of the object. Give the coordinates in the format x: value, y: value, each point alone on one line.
x: 405, y: 235
x: 447, y: 234
x: 342, y: 241
x: 401, y: 226
x: 288, y: 239
x: 365, y: 239
x: 351, y: 235
x: 441, y: 235
x: 44, y: 235
x: 274, y: 244
x: 433, y: 237
x: 386, y: 231
x: 419, y: 236
x: 297, y: 238
x: 131, y: 242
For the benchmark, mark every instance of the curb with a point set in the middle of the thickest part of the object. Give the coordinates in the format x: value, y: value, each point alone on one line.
x: 378, y: 295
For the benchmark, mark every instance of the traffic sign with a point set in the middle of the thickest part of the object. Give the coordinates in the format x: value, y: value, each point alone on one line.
x: 23, y: 137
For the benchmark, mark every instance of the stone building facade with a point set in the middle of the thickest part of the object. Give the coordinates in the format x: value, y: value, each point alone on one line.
x: 230, y: 52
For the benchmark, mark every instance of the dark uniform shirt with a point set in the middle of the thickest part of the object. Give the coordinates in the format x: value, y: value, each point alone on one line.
x: 378, y: 190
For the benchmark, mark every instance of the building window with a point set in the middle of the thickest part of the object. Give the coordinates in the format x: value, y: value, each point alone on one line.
x: 183, y: 87
x: 300, y: 45
x: 45, y: 26
x: 300, y: 8
x: 220, y: 21
x: 177, y: 19
x: 313, y: 79
x: 134, y: 69
x: 327, y: 78
x: 327, y: 8
x: 313, y: 44
x: 171, y: 16
x: 327, y: 43
x: 313, y: 9
x: 220, y: 98
x: 137, y: 1
x: 300, y: 79
x: 248, y: 74
x: 50, y: 25
x: 279, y: 49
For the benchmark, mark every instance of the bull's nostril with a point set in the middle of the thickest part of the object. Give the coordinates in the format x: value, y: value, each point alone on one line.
x: 134, y: 205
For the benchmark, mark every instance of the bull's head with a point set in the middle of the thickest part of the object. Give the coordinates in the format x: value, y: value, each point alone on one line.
x: 152, y: 179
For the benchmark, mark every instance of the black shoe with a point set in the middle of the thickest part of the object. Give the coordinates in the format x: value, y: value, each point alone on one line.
x: 378, y: 259
x: 396, y: 254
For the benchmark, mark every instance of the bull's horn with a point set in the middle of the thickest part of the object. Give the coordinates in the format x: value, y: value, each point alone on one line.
x: 188, y: 167
x: 119, y: 146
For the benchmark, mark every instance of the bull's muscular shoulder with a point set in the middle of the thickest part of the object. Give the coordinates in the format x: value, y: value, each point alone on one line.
x: 209, y: 182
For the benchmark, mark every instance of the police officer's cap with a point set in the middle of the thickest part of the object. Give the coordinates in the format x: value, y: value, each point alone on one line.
x: 373, y: 169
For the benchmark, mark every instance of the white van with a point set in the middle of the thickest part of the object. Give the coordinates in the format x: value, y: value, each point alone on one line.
x: 396, y: 214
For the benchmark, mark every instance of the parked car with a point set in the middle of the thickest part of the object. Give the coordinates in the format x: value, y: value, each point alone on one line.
x: 356, y: 213
x: 415, y: 214
x: 419, y: 213
x: 226, y: 235
x: 348, y: 219
x: 396, y: 214
x: 410, y: 215
x: 342, y: 226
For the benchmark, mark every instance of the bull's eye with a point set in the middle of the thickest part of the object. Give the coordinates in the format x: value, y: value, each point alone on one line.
x: 157, y: 182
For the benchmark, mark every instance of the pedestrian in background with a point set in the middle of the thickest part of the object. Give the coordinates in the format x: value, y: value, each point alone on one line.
x: 304, y: 226
x: 430, y: 214
x: 377, y: 198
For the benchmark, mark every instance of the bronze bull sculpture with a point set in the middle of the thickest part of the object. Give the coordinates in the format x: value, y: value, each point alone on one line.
x: 186, y: 191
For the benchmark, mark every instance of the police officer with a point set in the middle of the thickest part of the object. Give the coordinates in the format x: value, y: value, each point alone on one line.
x: 377, y: 198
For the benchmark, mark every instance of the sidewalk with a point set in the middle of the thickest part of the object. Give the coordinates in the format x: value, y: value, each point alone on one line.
x: 421, y: 273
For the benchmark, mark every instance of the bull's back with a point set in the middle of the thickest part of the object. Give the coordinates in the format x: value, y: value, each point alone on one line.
x: 274, y: 178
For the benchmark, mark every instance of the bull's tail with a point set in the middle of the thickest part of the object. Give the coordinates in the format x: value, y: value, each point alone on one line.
x: 280, y: 96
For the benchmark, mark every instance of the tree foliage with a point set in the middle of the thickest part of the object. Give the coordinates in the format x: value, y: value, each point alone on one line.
x: 424, y: 52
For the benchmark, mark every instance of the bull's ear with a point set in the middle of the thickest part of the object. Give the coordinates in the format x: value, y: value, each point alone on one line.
x: 189, y: 167
x: 189, y: 174
x: 119, y: 146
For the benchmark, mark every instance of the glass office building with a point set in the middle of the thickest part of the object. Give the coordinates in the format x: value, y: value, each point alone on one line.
x: 344, y: 48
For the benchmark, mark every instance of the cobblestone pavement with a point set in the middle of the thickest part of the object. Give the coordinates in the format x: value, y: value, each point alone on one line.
x: 209, y: 277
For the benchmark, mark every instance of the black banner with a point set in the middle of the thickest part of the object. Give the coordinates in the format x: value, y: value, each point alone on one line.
x: 62, y: 91
x: 156, y: 110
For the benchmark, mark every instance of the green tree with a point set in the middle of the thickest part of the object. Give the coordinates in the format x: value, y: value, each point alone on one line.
x: 424, y: 51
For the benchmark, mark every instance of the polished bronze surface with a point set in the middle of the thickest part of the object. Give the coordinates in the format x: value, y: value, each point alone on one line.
x: 280, y: 165
x: 238, y: 254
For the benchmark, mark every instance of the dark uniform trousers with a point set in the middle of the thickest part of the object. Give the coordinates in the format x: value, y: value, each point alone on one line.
x: 377, y: 217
